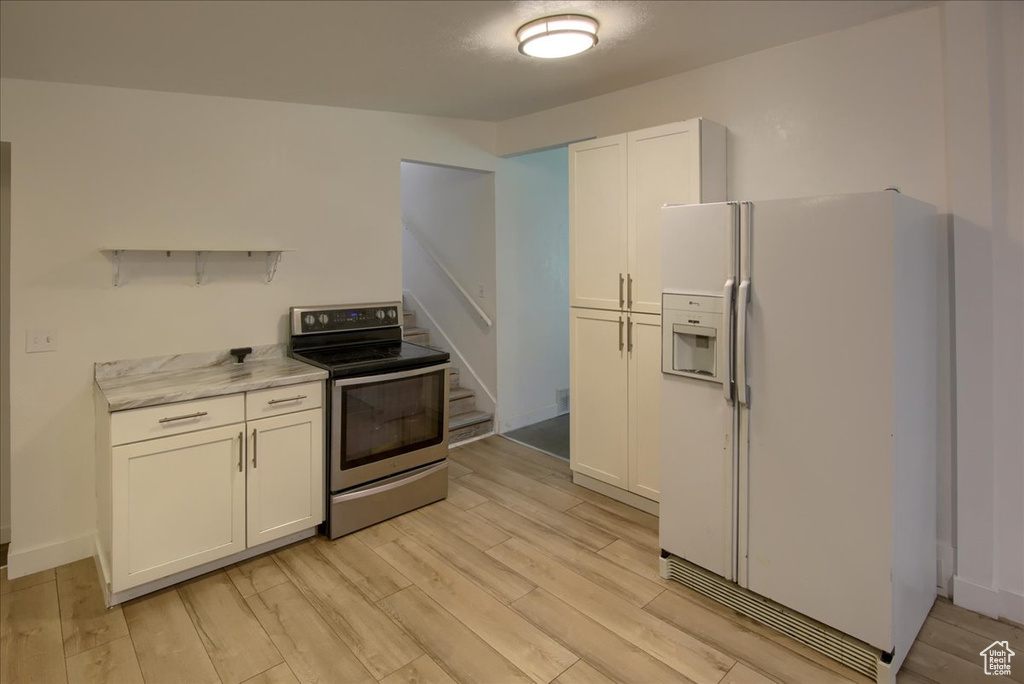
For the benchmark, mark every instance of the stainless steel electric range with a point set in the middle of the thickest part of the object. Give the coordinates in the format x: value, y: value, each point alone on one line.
x: 387, y: 407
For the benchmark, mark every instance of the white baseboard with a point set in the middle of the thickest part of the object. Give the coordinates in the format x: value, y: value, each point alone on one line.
x: 1012, y: 606
x: 21, y: 562
x: 984, y: 600
x: 5, y: 534
x: 945, y: 556
x: 527, y: 418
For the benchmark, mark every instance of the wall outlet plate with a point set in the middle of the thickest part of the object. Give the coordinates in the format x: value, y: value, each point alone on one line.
x: 40, y: 341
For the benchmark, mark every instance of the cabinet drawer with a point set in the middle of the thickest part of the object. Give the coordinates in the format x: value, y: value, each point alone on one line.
x: 280, y: 400
x: 174, y: 419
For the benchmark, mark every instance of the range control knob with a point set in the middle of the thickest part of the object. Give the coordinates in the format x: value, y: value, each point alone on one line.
x: 380, y: 314
x: 392, y: 314
x: 324, y: 319
x: 309, y: 320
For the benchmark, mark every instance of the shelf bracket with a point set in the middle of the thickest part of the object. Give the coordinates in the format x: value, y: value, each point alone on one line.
x: 273, y: 259
x: 200, y: 266
x: 117, y: 267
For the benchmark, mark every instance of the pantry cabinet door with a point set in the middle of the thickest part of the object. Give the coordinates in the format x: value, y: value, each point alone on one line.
x: 664, y: 168
x: 597, y: 223
x: 598, y: 382
x: 178, y: 502
x: 286, y: 475
x: 644, y: 348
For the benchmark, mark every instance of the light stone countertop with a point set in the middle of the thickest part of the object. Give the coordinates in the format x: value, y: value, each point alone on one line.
x: 162, y: 380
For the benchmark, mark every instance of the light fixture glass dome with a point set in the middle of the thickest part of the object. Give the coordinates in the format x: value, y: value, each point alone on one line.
x: 560, y: 36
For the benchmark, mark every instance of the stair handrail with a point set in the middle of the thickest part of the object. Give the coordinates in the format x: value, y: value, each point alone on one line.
x: 454, y: 281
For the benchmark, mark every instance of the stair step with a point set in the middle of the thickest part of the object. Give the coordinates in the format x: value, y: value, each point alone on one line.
x: 416, y: 335
x: 465, y: 426
x: 461, y: 400
x: 467, y: 418
x: 460, y: 393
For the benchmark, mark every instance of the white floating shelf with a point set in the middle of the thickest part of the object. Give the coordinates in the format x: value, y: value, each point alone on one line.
x: 273, y: 256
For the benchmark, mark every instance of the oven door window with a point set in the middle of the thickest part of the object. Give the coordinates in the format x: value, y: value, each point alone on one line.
x: 392, y: 417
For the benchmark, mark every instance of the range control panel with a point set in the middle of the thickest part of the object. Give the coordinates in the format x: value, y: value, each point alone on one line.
x: 338, y: 319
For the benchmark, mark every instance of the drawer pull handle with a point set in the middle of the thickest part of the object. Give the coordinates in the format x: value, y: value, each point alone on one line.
x: 281, y: 401
x: 198, y: 414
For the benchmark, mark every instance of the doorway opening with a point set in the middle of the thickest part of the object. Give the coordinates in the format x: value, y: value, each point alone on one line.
x: 449, y: 284
x: 533, y: 284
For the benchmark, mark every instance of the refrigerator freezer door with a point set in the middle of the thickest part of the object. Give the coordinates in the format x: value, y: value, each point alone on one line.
x: 819, y: 364
x: 698, y: 247
x: 698, y: 474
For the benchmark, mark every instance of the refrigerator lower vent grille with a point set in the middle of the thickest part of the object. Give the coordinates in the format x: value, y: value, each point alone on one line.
x: 844, y: 649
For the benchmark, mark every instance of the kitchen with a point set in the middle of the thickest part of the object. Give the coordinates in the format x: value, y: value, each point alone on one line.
x: 851, y: 111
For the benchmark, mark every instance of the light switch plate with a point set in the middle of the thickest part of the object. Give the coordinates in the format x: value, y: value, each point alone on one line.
x: 40, y: 341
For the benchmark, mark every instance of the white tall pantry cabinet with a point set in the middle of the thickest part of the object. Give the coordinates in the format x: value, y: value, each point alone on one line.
x: 617, y: 186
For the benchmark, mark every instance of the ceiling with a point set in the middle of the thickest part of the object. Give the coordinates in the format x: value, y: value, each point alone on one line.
x: 456, y: 59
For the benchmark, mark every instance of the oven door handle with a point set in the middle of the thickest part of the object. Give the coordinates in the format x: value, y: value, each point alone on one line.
x: 367, y: 379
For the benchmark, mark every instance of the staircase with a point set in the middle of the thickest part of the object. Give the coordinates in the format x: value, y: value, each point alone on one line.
x: 465, y: 421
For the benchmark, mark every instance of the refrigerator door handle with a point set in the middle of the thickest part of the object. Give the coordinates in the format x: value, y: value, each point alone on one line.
x: 743, y: 301
x: 727, y: 382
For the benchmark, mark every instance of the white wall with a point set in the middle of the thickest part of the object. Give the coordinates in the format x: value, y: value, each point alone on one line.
x: 850, y: 111
x: 5, y: 339
x: 533, y: 286
x: 452, y: 214
x: 103, y: 167
x: 985, y: 104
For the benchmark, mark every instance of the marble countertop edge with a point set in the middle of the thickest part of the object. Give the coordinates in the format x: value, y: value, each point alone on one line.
x: 141, y: 389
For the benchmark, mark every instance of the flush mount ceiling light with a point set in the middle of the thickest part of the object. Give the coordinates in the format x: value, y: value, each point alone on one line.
x: 559, y: 36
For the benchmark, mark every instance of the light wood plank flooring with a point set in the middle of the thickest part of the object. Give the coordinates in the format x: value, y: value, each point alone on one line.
x: 520, y: 576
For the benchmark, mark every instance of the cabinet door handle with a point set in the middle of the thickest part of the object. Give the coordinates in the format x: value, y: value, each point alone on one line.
x: 629, y: 335
x: 254, y: 447
x: 298, y: 397
x: 241, y: 448
x: 620, y: 333
x: 629, y: 291
x: 198, y: 414
x: 621, y: 300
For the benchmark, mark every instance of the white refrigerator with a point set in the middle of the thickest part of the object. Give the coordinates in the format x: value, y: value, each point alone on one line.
x: 799, y: 416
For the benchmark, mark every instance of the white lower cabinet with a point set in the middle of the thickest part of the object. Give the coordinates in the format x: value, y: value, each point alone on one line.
x: 285, y: 475
x: 178, y: 502
x: 598, y: 382
x: 645, y: 405
x: 615, y: 376
x: 169, y: 504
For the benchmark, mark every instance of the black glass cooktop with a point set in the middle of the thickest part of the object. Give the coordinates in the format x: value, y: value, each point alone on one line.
x: 367, y: 359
